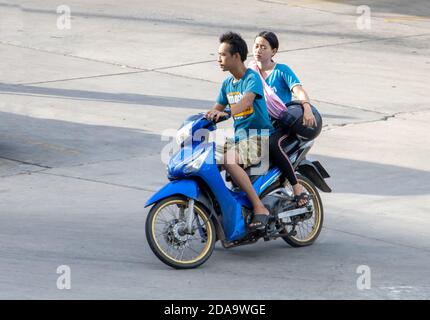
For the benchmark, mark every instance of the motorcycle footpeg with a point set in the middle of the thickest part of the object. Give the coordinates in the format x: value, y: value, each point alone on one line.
x: 292, y: 233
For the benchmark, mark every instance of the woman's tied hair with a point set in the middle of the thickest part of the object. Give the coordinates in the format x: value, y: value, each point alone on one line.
x: 270, y: 37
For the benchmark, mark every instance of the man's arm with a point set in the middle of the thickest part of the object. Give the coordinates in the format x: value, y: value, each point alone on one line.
x: 244, y: 103
x: 216, y: 112
x: 219, y: 107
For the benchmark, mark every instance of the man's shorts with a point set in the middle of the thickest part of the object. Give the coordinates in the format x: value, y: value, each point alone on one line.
x: 251, y: 150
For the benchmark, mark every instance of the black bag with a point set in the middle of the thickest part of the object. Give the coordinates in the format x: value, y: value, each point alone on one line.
x: 291, y: 121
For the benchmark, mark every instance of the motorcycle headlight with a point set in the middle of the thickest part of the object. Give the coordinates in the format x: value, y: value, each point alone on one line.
x: 184, y: 133
x: 196, y: 164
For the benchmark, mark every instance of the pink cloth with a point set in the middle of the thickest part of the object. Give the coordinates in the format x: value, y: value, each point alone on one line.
x: 275, y: 106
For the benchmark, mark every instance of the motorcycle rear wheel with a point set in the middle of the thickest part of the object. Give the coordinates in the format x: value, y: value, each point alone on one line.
x: 307, y: 230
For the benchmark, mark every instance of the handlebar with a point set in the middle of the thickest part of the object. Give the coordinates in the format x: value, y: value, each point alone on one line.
x: 220, y: 119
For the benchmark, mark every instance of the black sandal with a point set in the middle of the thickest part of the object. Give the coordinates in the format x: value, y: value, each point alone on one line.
x: 259, y: 222
x: 302, y: 196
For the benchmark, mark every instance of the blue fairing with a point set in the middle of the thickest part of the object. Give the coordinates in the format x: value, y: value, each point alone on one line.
x: 264, y: 181
x: 193, y: 169
x: 232, y: 220
x: 186, y: 187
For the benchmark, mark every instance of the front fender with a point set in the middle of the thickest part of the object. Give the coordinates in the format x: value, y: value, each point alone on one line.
x: 186, y: 187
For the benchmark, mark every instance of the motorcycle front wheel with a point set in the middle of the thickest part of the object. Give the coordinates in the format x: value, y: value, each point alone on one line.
x: 165, y: 227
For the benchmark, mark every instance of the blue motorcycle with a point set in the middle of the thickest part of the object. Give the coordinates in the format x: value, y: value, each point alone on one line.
x: 197, y: 208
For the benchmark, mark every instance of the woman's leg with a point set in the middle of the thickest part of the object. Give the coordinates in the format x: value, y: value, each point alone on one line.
x: 281, y: 160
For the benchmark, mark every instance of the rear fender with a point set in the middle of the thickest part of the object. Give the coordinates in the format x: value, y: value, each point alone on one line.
x: 316, y: 173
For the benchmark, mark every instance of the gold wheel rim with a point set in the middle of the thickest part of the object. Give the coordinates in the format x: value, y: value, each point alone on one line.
x: 317, y: 215
x: 206, y: 224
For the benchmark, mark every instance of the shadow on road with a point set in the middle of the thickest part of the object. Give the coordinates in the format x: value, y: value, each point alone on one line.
x: 55, y: 143
x: 127, y: 98
x: 363, y: 177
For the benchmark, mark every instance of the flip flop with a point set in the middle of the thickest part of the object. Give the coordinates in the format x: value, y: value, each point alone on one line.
x: 259, y: 222
x: 302, y: 196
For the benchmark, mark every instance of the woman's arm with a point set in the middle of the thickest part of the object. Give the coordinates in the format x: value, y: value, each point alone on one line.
x: 308, y: 116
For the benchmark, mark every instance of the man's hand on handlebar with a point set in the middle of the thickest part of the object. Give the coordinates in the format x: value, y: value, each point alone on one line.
x: 215, y: 115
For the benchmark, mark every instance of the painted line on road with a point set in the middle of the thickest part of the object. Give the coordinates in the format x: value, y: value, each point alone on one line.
x: 385, y: 118
x: 117, y: 64
x: 27, y: 163
x: 356, y: 42
x: 25, y: 172
x: 97, y: 181
x: 351, y: 107
x: 377, y: 239
x: 185, y: 77
x: 406, y: 18
x: 205, y: 61
x: 82, y: 78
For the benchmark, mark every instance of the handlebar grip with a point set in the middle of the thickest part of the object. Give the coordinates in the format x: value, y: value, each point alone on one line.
x: 223, y: 118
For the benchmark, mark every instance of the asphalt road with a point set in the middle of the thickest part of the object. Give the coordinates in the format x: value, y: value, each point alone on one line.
x: 83, y: 111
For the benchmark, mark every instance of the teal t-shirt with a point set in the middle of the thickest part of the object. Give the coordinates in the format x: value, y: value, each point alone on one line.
x: 282, y: 80
x: 254, y: 117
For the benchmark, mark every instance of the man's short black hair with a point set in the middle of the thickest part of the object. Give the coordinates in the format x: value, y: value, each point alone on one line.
x: 237, y: 44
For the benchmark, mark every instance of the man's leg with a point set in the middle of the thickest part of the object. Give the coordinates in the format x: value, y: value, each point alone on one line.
x: 240, y: 177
